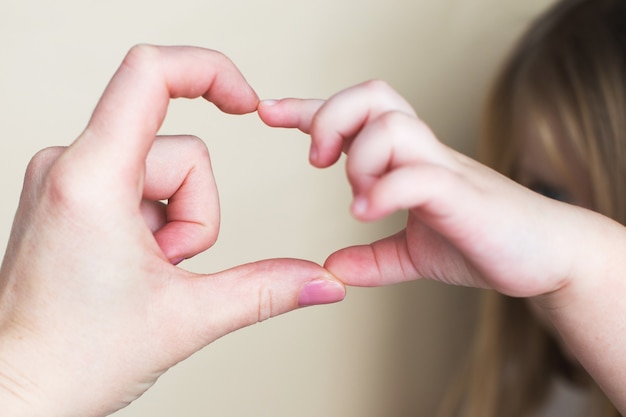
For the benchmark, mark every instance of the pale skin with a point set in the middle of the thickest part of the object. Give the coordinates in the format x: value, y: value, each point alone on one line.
x: 92, y: 306
x: 467, y: 225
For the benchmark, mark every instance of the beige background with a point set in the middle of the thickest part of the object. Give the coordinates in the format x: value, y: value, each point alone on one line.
x: 382, y: 352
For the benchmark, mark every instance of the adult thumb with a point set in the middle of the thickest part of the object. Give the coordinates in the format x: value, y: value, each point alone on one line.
x: 207, y: 307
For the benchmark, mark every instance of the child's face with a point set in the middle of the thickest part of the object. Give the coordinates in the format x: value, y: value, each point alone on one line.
x: 535, y: 168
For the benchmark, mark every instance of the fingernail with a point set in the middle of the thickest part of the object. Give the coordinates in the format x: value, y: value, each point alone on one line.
x: 176, y: 261
x: 269, y: 102
x: 321, y: 291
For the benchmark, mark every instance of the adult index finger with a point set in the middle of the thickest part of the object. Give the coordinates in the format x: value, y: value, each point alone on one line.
x: 133, y: 106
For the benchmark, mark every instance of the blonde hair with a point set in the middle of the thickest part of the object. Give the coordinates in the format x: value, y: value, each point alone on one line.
x: 566, y: 77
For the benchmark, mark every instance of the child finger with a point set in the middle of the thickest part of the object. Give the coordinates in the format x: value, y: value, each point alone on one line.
x: 289, y: 112
x: 346, y: 114
x: 391, y: 141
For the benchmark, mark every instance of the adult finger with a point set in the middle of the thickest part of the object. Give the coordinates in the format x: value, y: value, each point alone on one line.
x: 178, y: 169
x: 201, y: 308
x: 134, y: 104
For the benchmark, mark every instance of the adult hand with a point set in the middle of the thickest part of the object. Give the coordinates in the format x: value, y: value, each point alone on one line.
x: 92, y: 307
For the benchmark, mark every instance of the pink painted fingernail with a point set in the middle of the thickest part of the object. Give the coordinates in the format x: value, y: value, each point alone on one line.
x: 321, y: 291
x: 176, y: 261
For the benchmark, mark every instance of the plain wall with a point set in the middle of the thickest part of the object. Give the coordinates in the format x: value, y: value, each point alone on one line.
x: 381, y: 352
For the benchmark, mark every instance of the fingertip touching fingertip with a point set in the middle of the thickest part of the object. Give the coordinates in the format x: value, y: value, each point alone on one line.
x: 238, y: 102
x: 267, y: 102
x: 269, y: 117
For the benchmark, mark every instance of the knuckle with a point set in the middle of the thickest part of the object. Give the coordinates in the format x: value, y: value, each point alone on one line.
x: 60, y: 188
x: 377, y: 85
x: 140, y: 55
x: 206, y: 234
x: 196, y: 149
x: 394, y: 119
x: 195, y: 144
x: 40, y: 164
x: 200, y: 149
x: 384, y: 95
x: 410, y: 138
x: 65, y: 188
x: 396, y: 124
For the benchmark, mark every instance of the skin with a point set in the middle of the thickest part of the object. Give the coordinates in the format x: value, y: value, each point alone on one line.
x: 467, y: 225
x: 537, y: 171
x: 92, y: 309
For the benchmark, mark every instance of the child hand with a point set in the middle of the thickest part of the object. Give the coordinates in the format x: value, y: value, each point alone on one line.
x: 467, y: 225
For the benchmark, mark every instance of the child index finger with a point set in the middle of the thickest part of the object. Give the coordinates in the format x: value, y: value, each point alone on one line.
x: 290, y: 112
